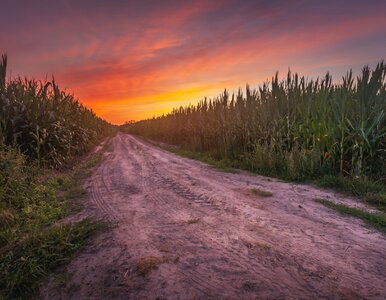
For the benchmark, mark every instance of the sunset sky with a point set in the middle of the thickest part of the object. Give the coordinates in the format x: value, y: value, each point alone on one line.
x: 129, y: 60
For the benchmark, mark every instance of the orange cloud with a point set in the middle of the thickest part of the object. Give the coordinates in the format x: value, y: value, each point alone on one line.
x: 141, y: 60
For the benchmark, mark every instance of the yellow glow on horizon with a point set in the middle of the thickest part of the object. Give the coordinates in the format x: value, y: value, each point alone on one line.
x: 139, y: 108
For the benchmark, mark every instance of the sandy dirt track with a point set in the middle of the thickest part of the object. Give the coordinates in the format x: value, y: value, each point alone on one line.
x: 213, y: 238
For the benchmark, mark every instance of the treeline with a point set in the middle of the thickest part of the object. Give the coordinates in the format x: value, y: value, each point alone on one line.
x: 294, y: 128
x: 45, y: 123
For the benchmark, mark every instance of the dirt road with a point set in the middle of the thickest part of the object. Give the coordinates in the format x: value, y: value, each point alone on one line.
x: 186, y: 231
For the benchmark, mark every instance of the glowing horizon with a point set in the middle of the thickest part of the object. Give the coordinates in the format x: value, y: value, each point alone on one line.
x: 131, y: 61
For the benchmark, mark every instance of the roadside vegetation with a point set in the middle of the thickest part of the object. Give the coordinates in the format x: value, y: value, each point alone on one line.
x: 297, y: 129
x: 378, y: 221
x: 42, y: 130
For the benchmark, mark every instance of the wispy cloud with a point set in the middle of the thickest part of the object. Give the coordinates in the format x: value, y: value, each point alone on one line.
x: 131, y: 60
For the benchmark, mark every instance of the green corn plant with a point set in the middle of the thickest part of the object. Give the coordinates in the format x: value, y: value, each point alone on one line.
x: 45, y: 122
x: 306, y: 128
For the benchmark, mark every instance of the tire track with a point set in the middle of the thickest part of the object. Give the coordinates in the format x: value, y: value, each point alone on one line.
x: 249, y: 264
x: 101, y: 203
x: 198, y: 235
x: 194, y: 277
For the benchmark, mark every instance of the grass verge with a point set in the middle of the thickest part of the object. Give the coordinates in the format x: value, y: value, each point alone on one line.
x: 378, y: 221
x: 31, y: 201
x: 222, y: 165
x: 371, y: 192
x: 26, y: 261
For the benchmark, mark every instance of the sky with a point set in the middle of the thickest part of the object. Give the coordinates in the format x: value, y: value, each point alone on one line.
x: 132, y: 60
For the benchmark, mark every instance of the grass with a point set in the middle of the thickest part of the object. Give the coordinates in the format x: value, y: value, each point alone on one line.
x: 222, y: 165
x: 372, y: 193
x: 148, y: 263
x: 262, y: 193
x: 377, y: 200
x: 263, y: 246
x: 378, y: 221
x: 31, y: 201
x: 26, y: 261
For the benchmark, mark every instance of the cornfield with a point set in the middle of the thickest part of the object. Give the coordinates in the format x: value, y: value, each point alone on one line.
x: 295, y: 128
x: 47, y: 124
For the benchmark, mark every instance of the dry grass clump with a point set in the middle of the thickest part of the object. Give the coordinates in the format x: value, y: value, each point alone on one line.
x: 262, y: 193
x: 257, y: 246
x: 193, y: 221
x: 149, y: 263
x: 7, y: 218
